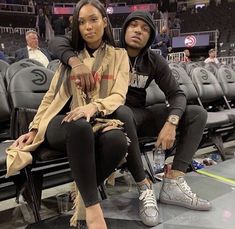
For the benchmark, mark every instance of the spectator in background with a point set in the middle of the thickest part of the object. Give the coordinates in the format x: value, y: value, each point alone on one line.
x: 187, y: 55
x: 32, y: 50
x: 177, y: 22
x: 2, y: 56
x: 41, y: 23
x: 163, y: 42
x: 212, y: 57
x: 59, y: 26
x: 169, y: 23
x: 69, y: 28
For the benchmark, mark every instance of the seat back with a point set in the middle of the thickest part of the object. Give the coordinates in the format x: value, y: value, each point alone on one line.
x: 35, y: 62
x: 4, y: 112
x: 4, y: 107
x: 190, y: 66
x: 226, y: 78
x: 212, y: 67
x: 53, y: 65
x: 26, y: 90
x: 15, y: 68
x: 3, y: 67
x: 208, y: 87
x: 154, y: 95
x: 185, y: 82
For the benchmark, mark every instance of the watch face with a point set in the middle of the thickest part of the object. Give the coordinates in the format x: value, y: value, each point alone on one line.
x: 174, y: 120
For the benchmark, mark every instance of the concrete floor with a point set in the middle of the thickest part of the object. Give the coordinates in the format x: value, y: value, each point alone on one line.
x: 121, y: 208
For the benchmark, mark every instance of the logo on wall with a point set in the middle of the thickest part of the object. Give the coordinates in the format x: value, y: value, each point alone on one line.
x: 190, y: 41
x: 109, y: 10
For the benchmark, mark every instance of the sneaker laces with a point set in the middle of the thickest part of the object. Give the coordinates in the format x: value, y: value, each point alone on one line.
x: 187, y: 189
x: 148, y: 198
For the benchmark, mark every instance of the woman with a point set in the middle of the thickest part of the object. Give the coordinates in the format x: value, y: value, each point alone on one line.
x: 63, y: 120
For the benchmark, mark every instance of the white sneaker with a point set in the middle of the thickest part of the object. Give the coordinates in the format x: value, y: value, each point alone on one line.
x: 148, y: 210
x: 177, y: 192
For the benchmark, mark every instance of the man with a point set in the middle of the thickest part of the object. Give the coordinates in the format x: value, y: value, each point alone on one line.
x: 187, y: 56
x: 137, y: 35
x: 2, y: 56
x: 212, y: 57
x: 162, y: 42
x: 41, y: 23
x: 59, y: 26
x: 32, y: 50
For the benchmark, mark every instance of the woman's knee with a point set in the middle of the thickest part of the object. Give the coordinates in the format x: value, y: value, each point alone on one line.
x: 78, y: 127
x: 116, y: 140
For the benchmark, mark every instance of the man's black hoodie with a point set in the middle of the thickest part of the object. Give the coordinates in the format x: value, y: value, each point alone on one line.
x: 148, y: 66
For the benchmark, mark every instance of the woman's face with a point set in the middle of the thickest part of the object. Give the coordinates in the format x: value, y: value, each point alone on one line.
x: 91, y: 25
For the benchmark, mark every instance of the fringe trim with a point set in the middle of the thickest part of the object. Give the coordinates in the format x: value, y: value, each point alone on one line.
x: 78, y: 206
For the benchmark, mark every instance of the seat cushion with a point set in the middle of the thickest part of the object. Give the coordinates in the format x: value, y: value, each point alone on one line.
x: 3, y: 156
x: 231, y: 114
x: 217, y: 119
x: 44, y: 153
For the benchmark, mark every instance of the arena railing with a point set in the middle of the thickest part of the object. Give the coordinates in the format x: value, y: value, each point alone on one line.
x: 17, y: 8
x: 227, y: 60
x: 176, y: 56
x: 11, y: 30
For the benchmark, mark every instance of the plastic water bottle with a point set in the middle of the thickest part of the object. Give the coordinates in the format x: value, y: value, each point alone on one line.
x: 159, y: 160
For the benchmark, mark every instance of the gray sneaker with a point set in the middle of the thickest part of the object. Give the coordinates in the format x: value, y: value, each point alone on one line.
x: 177, y: 192
x: 148, y: 209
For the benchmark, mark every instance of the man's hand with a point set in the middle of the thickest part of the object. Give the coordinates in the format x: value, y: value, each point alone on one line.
x: 82, y: 75
x: 25, y: 139
x: 166, y: 137
x: 86, y: 111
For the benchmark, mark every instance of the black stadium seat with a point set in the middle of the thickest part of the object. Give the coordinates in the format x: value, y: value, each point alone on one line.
x: 26, y: 90
x: 16, y: 67
x: 4, y: 111
x: 212, y: 98
x: 3, y: 67
x: 226, y: 78
x: 53, y: 65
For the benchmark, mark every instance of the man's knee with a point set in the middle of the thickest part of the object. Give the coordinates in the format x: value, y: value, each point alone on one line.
x: 196, y: 113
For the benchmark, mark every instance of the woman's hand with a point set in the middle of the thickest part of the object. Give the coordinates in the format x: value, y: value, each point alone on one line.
x: 25, y: 139
x: 86, y: 111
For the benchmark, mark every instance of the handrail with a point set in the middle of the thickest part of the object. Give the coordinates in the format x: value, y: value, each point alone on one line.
x: 176, y: 56
x: 11, y: 30
x: 17, y: 8
x: 227, y: 60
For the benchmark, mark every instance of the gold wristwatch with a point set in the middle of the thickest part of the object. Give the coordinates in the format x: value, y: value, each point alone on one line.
x: 173, y: 119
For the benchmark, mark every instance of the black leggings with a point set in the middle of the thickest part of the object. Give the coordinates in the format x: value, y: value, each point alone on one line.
x: 134, y: 161
x: 92, y: 157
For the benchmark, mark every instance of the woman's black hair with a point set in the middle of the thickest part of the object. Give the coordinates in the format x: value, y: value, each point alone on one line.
x: 77, y: 40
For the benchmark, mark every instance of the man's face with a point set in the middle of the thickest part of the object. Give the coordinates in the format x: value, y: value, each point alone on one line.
x: 137, y: 34
x: 212, y: 54
x: 32, y: 40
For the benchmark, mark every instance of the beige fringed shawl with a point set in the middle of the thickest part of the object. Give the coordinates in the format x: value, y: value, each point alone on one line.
x: 112, y: 79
